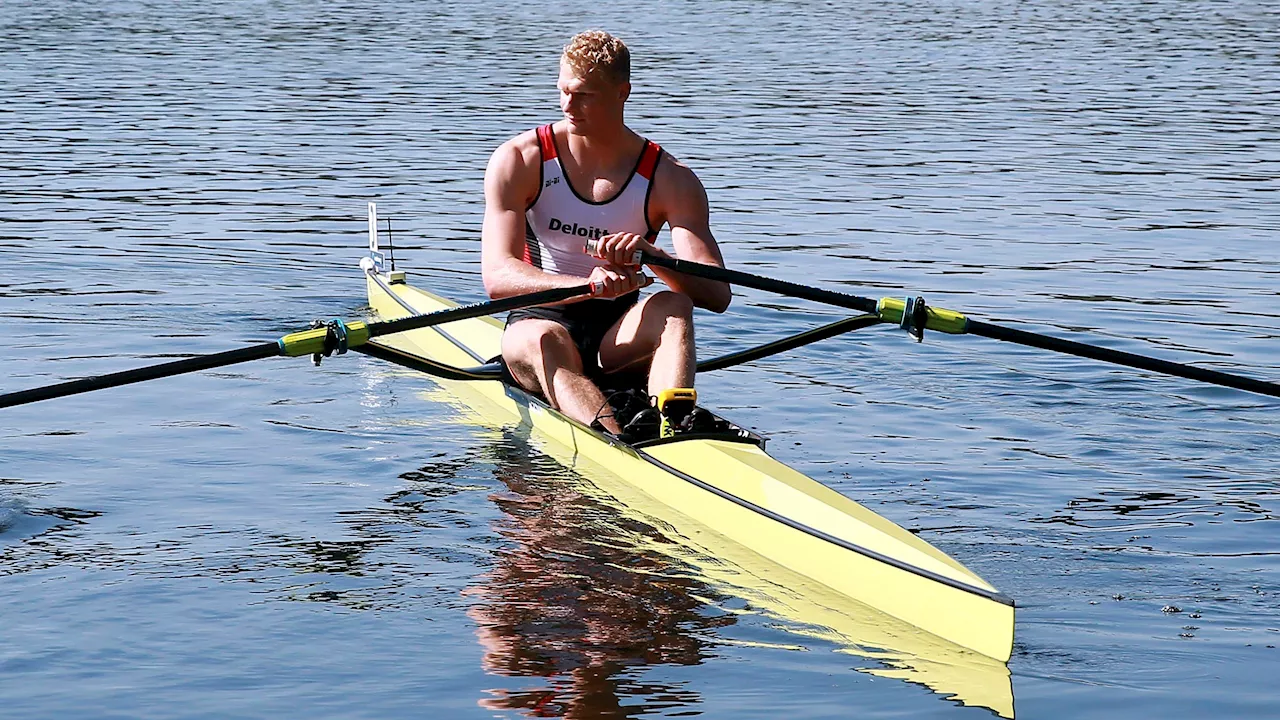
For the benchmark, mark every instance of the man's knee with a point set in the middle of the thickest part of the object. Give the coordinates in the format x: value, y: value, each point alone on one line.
x: 671, y: 312
x: 533, y: 343
x: 674, y: 305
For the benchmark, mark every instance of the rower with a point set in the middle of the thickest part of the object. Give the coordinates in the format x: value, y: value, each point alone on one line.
x: 590, y: 177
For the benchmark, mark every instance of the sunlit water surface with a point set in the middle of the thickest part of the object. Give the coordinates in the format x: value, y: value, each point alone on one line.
x: 276, y: 540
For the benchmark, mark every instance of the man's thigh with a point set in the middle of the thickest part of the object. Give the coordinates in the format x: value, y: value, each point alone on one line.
x: 630, y: 343
x: 534, y: 347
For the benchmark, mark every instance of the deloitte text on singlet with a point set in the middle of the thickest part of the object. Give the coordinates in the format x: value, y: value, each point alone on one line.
x: 560, y: 222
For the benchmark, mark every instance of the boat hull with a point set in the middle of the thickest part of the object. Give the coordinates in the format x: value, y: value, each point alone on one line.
x: 736, y: 492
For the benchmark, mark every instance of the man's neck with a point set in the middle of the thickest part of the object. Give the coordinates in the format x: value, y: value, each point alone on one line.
x: 609, y: 147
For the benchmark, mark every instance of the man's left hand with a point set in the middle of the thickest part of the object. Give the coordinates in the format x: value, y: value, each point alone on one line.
x: 620, y: 248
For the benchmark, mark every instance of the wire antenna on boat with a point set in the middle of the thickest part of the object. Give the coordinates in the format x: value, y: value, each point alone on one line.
x: 391, y: 248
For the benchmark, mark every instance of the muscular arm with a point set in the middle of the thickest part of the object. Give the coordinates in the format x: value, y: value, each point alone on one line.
x: 510, y: 184
x: 682, y: 203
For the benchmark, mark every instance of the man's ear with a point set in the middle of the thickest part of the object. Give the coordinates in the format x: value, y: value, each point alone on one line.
x: 624, y: 91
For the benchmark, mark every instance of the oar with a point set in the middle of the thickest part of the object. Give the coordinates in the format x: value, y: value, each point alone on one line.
x: 337, y: 335
x: 949, y: 321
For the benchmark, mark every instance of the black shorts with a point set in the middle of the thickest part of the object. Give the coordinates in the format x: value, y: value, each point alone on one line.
x: 586, y: 321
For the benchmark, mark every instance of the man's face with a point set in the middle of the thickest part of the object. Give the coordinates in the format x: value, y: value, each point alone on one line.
x: 591, y: 102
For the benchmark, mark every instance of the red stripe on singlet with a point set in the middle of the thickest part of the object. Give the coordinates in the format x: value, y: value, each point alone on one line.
x: 648, y: 160
x: 547, y: 143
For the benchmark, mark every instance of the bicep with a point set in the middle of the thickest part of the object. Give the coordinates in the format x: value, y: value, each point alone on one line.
x: 502, y: 236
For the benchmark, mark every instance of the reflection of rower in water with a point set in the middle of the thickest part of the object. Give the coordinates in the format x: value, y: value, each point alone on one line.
x: 574, y: 601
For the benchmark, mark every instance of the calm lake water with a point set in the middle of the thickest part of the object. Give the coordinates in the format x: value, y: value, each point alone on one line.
x: 277, y: 540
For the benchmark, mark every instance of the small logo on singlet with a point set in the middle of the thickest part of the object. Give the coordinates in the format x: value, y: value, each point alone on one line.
x: 575, y: 229
x: 552, y: 181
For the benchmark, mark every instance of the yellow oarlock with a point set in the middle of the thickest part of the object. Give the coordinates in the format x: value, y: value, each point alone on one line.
x: 948, y: 321
x: 310, y: 342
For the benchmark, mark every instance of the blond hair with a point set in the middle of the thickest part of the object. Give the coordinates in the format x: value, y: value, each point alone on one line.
x: 596, y: 52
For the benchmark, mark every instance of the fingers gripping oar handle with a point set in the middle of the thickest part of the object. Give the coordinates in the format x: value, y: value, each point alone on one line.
x: 593, y: 244
x: 320, y: 340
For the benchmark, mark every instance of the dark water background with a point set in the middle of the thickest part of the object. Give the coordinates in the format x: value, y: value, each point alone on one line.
x: 275, y: 540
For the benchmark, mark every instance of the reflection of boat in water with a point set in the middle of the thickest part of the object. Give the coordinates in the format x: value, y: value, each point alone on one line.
x: 634, y: 575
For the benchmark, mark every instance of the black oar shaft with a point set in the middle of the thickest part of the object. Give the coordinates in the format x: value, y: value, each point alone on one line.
x: 781, y: 287
x: 153, y: 372
x: 969, y: 325
x: 1119, y: 357
x: 301, y: 343
x: 840, y: 327
x: 466, y: 312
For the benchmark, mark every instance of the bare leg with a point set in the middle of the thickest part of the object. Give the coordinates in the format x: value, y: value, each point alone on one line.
x: 657, y: 331
x: 542, y: 357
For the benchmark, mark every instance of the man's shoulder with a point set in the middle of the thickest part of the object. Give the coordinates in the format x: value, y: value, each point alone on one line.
x: 524, y: 142
x: 672, y: 173
x: 517, y: 155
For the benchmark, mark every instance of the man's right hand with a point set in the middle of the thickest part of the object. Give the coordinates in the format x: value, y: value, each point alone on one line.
x: 611, y: 281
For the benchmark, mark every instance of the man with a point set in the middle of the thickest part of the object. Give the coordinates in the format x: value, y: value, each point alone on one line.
x: 590, y: 176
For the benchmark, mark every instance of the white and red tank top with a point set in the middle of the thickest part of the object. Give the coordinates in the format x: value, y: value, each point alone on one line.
x: 560, y: 221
